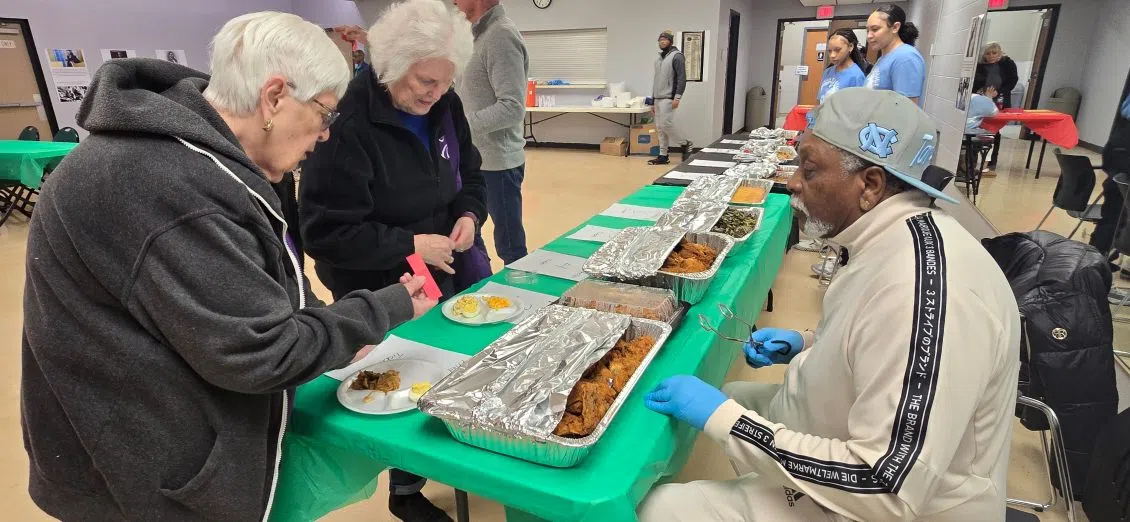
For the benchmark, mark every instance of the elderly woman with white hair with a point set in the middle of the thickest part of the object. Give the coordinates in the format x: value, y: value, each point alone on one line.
x: 997, y: 70
x: 166, y: 321
x: 399, y: 176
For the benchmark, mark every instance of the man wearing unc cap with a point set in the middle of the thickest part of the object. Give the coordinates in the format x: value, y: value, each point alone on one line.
x: 899, y: 406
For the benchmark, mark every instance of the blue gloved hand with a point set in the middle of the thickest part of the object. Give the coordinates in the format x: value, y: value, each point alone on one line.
x: 1125, y: 109
x: 686, y: 398
x: 769, y: 346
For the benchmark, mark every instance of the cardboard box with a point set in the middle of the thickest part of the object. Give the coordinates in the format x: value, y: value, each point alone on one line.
x: 643, y: 139
x: 614, y: 146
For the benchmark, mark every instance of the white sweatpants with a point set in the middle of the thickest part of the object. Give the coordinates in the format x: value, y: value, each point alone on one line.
x: 665, y: 126
x: 747, y: 498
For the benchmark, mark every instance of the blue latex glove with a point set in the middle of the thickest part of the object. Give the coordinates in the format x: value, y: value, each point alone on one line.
x: 769, y: 346
x: 1125, y: 109
x: 686, y: 398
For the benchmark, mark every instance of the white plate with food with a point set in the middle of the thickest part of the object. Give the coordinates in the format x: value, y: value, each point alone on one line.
x: 389, y: 387
x: 479, y: 309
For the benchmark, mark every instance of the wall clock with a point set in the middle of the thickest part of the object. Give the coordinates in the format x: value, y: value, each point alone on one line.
x: 542, y: 4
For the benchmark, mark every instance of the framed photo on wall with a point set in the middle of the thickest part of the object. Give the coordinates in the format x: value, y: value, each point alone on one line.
x: 692, y: 50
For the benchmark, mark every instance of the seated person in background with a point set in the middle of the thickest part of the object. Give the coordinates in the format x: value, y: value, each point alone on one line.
x: 981, y: 106
x: 899, y: 406
x: 1116, y: 159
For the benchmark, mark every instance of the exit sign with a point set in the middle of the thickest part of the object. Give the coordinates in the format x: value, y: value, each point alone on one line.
x: 998, y: 4
x: 825, y: 12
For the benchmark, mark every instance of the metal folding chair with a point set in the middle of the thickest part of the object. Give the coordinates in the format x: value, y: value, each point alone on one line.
x: 1076, y: 182
x: 1053, y: 450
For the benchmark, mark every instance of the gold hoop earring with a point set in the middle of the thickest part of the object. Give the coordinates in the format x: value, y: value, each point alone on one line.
x: 269, y: 126
x: 864, y: 204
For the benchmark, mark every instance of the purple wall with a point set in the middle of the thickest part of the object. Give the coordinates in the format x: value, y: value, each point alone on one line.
x: 128, y: 24
x: 329, y: 13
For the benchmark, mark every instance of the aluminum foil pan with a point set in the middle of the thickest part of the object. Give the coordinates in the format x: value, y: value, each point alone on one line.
x: 762, y: 183
x: 521, y: 385
x: 692, y: 215
x: 549, y: 450
x: 765, y: 132
x: 756, y: 212
x: 757, y: 170
x: 692, y: 287
x: 634, y: 253
x: 710, y: 188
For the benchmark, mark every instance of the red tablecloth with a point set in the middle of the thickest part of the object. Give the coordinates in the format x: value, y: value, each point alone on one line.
x: 1056, y: 127
x: 796, y: 119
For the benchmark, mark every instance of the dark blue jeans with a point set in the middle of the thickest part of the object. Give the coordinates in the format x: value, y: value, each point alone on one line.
x: 504, y: 203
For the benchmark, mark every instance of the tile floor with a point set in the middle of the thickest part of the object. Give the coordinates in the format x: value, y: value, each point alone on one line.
x: 563, y: 188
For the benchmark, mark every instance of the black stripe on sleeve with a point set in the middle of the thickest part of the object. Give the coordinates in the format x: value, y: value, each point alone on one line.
x: 908, y: 432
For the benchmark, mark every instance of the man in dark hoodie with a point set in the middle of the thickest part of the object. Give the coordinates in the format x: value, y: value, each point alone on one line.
x: 166, y: 323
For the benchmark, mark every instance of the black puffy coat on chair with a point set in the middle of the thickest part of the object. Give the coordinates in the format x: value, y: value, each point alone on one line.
x: 1061, y: 287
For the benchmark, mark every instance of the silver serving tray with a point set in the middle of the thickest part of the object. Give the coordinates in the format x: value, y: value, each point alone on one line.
x: 756, y: 211
x: 549, y: 450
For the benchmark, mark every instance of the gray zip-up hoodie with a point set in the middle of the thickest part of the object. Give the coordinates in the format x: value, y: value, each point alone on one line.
x: 493, y: 90
x: 162, y: 329
x: 670, y: 78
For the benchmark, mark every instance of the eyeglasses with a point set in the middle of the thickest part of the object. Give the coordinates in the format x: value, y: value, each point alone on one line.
x: 329, y: 116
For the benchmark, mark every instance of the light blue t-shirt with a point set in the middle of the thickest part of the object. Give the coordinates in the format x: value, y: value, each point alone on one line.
x: 835, y: 80
x: 980, y: 107
x: 902, y: 71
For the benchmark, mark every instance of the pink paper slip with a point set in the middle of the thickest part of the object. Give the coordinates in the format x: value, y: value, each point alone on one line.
x: 431, y: 289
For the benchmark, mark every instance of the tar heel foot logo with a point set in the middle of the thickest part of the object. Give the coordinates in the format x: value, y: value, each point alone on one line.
x: 792, y: 496
x: 926, y: 152
x: 443, y: 152
x: 877, y: 140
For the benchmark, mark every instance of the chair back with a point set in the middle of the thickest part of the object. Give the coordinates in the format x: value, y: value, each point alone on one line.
x: 30, y: 133
x: 67, y: 134
x: 1076, y: 182
x: 1108, y: 480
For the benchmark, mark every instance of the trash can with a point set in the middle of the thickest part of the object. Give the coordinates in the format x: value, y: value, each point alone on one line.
x: 1065, y: 100
x: 756, y: 108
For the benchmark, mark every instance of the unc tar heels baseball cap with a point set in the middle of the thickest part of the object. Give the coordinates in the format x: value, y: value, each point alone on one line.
x: 884, y: 128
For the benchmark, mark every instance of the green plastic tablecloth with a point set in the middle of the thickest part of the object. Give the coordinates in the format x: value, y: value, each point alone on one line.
x: 24, y: 161
x: 332, y: 455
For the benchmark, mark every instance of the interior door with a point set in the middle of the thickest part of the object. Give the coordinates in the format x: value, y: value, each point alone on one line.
x: 1039, y: 61
x: 731, y: 73
x: 815, y: 57
x: 21, y: 101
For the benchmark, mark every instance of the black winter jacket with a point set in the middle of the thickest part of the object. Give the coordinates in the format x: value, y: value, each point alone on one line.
x: 372, y: 186
x: 1009, y: 78
x: 1061, y: 287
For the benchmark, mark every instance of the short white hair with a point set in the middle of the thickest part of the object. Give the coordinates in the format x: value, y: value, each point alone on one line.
x: 414, y: 30
x: 251, y: 48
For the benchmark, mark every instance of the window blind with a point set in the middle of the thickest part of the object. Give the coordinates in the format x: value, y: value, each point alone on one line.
x: 576, y: 55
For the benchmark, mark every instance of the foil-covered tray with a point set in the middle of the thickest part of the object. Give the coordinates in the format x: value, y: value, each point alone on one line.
x: 690, y: 288
x: 534, y: 445
x: 634, y: 253
x: 765, y: 132
x: 710, y: 188
x: 757, y: 170
x: 692, y: 215
x: 756, y: 212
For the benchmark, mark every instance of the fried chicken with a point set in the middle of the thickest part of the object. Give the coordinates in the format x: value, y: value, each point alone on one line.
x: 383, y: 382
x: 591, y: 397
x: 689, y: 258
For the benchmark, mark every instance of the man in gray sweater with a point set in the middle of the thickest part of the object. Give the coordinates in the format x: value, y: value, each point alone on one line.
x: 493, y: 92
x: 667, y: 90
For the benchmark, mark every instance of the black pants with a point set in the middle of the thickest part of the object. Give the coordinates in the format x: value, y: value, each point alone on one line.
x: 1103, y: 236
x: 404, y: 483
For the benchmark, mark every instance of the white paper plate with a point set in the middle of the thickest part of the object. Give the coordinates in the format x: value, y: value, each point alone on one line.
x: 411, y: 371
x: 486, y: 315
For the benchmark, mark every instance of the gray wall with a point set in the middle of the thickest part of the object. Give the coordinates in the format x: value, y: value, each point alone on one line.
x: 331, y: 13
x: 126, y: 24
x: 1074, y: 33
x: 1105, y: 71
x: 633, y: 28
